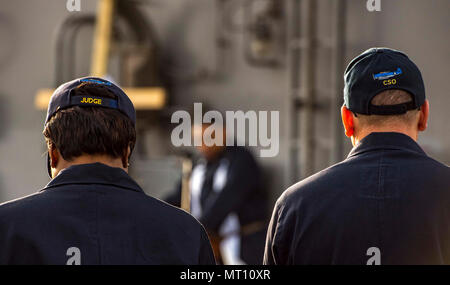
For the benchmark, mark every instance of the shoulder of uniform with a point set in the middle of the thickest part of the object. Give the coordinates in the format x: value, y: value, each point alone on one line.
x: 15, y: 206
x: 18, y: 202
x: 438, y: 164
x: 308, y: 187
x: 174, y: 214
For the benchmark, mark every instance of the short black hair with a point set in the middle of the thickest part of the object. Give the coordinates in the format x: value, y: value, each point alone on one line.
x: 90, y: 130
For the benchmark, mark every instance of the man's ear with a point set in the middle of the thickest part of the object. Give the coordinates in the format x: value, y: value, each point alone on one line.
x: 423, y: 119
x: 347, y: 121
x: 54, y: 155
x: 126, y: 158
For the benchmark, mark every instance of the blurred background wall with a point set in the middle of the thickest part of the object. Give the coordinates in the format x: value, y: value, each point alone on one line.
x: 198, y: 71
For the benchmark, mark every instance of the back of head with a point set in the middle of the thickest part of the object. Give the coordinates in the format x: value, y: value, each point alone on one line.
x: 80, y: 130
x: 385, y: 92
x: 390, y: 97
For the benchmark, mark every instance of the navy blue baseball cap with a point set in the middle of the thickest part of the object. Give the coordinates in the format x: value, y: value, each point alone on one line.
x: 377, y: 70
x: 64, y: 98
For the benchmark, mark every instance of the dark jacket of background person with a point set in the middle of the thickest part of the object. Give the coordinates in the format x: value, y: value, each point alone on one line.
x: 242, y: 194
x: 102, y: 213
x: 387, y: 194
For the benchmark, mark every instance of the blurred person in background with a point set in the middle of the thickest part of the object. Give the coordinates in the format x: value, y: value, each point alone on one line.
x: 228, y: 198
x: 92, y: 211
x: 387, y: 202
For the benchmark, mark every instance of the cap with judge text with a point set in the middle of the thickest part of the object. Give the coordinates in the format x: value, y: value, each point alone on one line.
x: 63, y: 98
x: 377, y: 70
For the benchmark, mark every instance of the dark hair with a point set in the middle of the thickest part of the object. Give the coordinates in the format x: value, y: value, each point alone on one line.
x: 90, y: 130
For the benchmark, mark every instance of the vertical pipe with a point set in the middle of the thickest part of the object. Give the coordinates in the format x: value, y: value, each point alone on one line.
x: 102, y: 38
x: 185, y: 189
x: 307, y: 142
x: 338, y: 27
x: 221, y: 41
x: 293, y: 61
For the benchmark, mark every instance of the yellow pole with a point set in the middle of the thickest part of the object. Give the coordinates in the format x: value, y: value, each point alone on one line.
x: 102, y: 38
x: 185, y: 189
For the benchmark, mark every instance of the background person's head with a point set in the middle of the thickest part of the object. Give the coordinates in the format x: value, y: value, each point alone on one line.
x: 89, y: 132
x: 384, y: 92
x: 209, y: 149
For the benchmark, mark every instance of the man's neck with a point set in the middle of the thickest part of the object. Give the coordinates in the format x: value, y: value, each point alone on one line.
x: 362, y: 134
x: 88, y: 159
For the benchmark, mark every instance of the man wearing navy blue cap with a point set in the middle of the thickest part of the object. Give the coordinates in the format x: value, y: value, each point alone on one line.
x: 92, y: 212
x: 387, y: 202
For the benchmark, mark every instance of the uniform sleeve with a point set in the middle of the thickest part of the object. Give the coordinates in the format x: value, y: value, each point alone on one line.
x: 243, y: 177
x: 174, y: 198
x: 206, y: 255
x: 276, y: 249
x: 4, y: 247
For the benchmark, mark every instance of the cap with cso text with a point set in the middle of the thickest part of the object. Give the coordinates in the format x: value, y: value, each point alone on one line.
x: 377, y: 70
x: 63, y: 98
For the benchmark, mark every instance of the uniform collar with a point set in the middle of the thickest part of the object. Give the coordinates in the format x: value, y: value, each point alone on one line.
x: 376, y: 141
x: 95, y: 173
